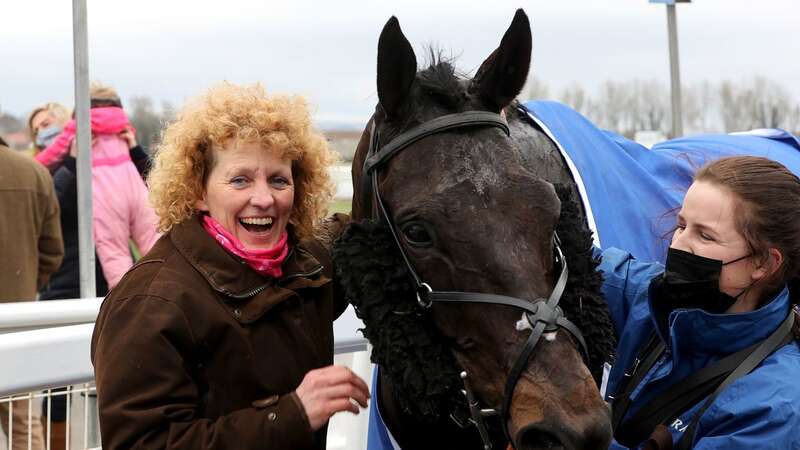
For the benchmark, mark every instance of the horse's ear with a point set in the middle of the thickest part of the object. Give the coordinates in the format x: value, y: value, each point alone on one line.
x: 397, y: 67
x: 501, y: 77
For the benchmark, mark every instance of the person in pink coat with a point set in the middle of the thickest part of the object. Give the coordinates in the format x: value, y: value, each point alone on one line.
x: 121, y: 211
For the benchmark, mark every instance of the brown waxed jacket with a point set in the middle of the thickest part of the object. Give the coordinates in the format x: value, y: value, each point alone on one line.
x: 31, y: 247
x: 195, y: 350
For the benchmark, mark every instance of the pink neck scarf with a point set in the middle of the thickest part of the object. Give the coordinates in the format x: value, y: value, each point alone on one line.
x: 266, y: 262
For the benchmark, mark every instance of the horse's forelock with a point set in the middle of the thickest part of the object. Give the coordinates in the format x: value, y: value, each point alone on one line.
x: 440, y: 83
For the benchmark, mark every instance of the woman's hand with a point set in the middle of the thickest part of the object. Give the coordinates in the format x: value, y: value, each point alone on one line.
x: 326, y: 391
x: 129, y: 136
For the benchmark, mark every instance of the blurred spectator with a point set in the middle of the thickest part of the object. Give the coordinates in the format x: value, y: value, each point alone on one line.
x: 45, y: 123
x: 32, y: 249
x: 119, y: 195
x: 121, y: 209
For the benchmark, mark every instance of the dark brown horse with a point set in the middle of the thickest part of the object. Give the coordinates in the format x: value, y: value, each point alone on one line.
x: 476, y: 210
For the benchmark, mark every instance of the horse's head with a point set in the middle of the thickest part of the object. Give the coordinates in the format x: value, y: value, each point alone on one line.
x: 472, y: 214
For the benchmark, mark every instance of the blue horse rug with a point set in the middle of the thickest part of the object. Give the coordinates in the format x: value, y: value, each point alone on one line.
x: 630, y: 193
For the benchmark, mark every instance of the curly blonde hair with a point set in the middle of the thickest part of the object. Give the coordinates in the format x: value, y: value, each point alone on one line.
x: 230, y: 113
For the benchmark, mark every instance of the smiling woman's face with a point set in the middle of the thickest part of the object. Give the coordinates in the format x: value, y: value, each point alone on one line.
x: 250, y: 191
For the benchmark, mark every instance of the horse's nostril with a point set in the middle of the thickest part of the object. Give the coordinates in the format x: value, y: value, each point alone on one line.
x: 537, y: 438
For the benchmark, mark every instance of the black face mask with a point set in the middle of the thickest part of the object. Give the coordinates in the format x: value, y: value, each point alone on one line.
x: 689, y: 281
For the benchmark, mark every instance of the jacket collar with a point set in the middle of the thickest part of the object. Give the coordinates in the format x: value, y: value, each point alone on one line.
x: 693, y: 331
x: 230, y: 275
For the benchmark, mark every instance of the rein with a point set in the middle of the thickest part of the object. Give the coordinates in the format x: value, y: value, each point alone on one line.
x: 543, y: 315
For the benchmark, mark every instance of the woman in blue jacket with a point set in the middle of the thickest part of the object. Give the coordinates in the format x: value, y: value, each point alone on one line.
x: 707, y: 355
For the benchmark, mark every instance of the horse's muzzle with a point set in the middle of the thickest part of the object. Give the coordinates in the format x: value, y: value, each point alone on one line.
x: 593, y: 434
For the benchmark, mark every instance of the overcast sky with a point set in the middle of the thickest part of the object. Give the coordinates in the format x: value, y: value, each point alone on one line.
x: 326, y: 50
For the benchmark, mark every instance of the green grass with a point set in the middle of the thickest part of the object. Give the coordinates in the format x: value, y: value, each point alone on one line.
x: 339, y: 206
x: 135, y: 251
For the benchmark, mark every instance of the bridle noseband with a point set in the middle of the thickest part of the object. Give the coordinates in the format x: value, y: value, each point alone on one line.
x: 543, y: 315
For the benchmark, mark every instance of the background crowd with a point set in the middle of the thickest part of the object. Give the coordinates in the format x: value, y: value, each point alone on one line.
x: 39, y: 223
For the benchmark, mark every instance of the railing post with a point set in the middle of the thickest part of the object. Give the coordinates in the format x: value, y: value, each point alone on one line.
x: 80, y: 48
x: 80, y: 44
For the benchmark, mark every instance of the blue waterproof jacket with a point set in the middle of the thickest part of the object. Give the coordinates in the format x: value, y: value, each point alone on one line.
x: 760, y: 410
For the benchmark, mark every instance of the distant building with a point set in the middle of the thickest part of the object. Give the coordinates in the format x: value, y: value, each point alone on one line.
x: 344, y: 142
x: 18, y: 140
x: 14, y: 133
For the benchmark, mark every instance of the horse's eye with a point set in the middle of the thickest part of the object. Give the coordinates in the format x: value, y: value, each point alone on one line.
x: 417, y: 234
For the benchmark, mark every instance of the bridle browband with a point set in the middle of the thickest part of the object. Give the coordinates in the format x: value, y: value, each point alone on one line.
x: 543, y: 315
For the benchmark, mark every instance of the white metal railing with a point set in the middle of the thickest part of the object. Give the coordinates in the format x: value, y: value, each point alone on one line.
x: 53, y: 351
x: 23, y: 316
x: 80, y: 428
x: 50, y: 357
x: 32, y: 355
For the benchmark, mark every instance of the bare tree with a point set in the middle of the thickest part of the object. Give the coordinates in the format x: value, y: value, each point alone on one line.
x: 535, y: 89
x: 147, y: 121
x: 701, y: 108
x: 756, y: 103
x: 649, y: 106
x: 575, y: 96
x: 168, y: 113
x: 629, y: 106
x: 608, y: 110
x: 793, y: 120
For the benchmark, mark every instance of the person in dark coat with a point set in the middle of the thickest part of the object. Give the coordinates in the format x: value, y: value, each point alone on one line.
x: 221, y: 336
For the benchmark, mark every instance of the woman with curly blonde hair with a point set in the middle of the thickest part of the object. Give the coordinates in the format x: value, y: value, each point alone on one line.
x: 222, y: 337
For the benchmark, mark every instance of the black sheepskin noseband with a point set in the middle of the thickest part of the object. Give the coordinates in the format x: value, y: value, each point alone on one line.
x: 583, y: 302
x: 405, y: 342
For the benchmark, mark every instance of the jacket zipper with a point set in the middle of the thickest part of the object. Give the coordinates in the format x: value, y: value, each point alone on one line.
x: 248, y: 294
x: 300, y: 275
x: 264, y: 286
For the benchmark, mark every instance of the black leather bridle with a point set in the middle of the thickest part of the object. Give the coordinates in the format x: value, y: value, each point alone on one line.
x: 542, y: 315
